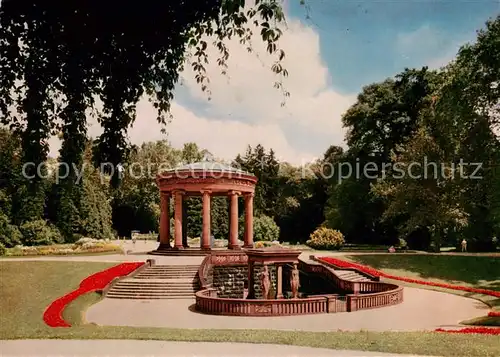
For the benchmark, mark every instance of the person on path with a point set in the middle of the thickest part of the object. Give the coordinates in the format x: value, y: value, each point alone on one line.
x: 464, y: 245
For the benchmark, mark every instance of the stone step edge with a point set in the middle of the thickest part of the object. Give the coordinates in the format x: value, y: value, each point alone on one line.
x: 150, y: 292
x: 187, y: 295
x: 153, y: 298
x: 156, y: 284
x: 152, y: 268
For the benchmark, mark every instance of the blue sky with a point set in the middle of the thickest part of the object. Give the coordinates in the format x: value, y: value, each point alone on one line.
x: 346, y: 45
x: 364, y: 41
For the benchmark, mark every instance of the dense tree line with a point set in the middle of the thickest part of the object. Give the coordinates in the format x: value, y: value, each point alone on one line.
x: 59, y: 60
x: 447, y: 117
x: 421, y: 117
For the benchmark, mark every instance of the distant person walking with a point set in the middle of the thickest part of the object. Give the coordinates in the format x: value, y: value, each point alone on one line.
x: 464, y: 245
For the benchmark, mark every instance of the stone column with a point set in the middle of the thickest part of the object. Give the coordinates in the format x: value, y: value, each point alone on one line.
x: 178, y: 219
x: 251, y: 280
x: 248, y: 238
x: 279, y: 281
x: 233, y: 228
x: 205, y: 236
x: 164, y: 221
x: 185, y: 221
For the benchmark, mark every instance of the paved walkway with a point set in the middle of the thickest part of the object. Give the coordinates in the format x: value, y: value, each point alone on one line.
x: 120, y: 348
x: 421, y: 310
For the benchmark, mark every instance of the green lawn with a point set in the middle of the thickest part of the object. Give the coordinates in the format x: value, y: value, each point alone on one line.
x: 27, y: 288
x: 474, y: 271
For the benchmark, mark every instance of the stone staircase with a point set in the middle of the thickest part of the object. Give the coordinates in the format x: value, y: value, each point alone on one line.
x: 350, y: 275
x: 158, y: 282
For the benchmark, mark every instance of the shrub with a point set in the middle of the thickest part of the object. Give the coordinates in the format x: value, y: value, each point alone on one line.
x: 326, y: 239
x: 95, y: 211
x: 38, y: 232
x: 259, y: 245
x: 402, y: 243
x: 265, y: 229
x: 3, y: 250
x: 87, y: 245
x: 9, y: 233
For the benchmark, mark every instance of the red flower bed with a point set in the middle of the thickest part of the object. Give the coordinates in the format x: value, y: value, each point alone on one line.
x: 374, y: 272
x: 377, y: 273
x: 96, y: 282
x: 478, y: 330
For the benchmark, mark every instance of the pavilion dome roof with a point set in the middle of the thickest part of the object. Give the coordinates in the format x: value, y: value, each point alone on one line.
x: 210, y: 166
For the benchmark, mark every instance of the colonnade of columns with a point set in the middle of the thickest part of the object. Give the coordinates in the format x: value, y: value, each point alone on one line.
x: 205, y: 238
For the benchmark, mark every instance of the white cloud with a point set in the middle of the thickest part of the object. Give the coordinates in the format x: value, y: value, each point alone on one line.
x: 430, y: 46
x: 424, y: 37
x: 245, y: 107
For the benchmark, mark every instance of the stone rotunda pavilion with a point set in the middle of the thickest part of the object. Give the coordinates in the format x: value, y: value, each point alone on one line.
x: 207, y: 179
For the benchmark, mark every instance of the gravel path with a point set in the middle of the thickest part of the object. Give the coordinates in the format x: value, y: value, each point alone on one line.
x: 120, y: 348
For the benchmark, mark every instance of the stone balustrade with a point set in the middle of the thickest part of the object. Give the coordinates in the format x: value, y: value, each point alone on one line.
x: 361, y: 296
x: 208, y: 302
x: 375, y: 300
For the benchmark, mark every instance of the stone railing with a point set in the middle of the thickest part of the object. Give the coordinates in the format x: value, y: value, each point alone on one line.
x: 361, y: 295
x: 208, y: 302
x: 219, y: 259
x: 339, y: 283
x: 375, y: 300
x: 369, y: 276
x: 228, y: 258
x: 203, y: 273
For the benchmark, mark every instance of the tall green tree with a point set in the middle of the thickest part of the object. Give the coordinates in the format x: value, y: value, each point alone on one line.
x: 265, y: 167
x: 468, y: 108
x: 136, y: 203
x: 305, y: 193
x: 57, y: 56
x: 421, y: 190
x: 384, y: 117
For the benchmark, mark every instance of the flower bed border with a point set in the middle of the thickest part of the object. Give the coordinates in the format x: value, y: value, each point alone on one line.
x: 474, y: 330
x: 377, y: 273
x: 95, y: 282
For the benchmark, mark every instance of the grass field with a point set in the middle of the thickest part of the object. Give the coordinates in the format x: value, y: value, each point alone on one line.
x: 481, y: 272
x: 27, y: 288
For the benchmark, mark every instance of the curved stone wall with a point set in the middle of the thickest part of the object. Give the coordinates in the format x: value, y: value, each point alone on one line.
x: 362, y: 295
